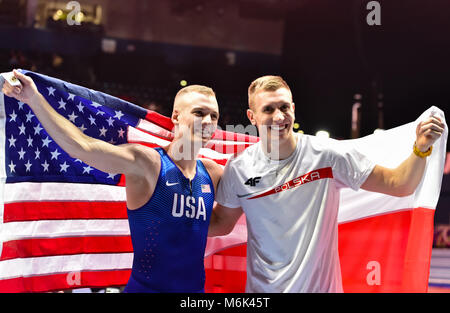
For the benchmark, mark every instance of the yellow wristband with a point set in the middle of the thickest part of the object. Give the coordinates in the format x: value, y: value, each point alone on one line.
x: 420, y: 153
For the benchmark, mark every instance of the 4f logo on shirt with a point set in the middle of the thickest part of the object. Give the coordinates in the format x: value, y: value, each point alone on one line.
x: 252, y: 181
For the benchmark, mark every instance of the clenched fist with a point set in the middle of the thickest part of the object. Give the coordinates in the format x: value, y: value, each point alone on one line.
x: 25, y: 93
x: 428, y: 132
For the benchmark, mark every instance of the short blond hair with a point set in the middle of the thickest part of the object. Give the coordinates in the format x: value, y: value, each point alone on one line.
x: 207, y: 91
x: 265, y: 83
x: 190, y: 89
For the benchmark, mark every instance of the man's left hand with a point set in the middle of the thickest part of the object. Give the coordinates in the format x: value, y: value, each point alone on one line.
x: 428, y: 132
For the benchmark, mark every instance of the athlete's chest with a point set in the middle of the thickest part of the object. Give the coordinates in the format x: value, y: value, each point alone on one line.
x: 264, y: 180
x: 187, y: 198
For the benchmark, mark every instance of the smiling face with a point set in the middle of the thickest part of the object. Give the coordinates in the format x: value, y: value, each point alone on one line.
x: 196, y: 113
x: 273, y: 112
x: 271, y: 109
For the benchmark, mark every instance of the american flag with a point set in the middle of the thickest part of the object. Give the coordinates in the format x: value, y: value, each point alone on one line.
x: 64, y: 223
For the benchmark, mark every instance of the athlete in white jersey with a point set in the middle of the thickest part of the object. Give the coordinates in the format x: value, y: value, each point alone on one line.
x: 288, y: 187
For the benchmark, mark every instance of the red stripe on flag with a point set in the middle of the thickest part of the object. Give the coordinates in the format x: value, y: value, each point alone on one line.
x: 322, y: 173
x: 144, y: 143
x: 26, y: 248
x: 227, y: 148
x: 418, y: 251
x: 230, y: 136
x: 383, y: 254
x: 62, y: 281
x: 155, y: 134
x: 121, y: 182
x: 33, y: 211
x: 160, y: 120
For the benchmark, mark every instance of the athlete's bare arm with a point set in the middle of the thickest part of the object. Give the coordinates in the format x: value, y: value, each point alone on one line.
x: 223, y: 220
x: 139, y: 164
x: 403, y: 180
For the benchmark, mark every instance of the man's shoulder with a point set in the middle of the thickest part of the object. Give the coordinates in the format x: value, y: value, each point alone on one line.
x: 243, y: 158
x: 148, y: 158
x: 212, y: 166
x: 147, y: 152
x: 321, y: 145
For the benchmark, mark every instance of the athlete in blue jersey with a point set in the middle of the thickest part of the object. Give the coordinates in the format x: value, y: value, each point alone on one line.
x: 169, y: 192
x: 169, y: 232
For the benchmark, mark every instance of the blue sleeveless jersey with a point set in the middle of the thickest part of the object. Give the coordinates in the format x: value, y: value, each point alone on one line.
x: 169, y: 232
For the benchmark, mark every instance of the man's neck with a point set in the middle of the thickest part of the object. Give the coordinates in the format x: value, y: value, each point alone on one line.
x: 183, y: 154
x: 281, y: 149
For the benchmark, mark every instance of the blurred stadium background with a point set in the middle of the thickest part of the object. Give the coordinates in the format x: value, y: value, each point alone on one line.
x: 144, y: 51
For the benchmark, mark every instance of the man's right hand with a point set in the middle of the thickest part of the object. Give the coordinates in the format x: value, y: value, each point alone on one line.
x: 25, y: 93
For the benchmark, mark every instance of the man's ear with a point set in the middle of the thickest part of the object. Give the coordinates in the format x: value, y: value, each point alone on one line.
x: 251, y: 116
x: 174, y: 116
x: 293, y: 106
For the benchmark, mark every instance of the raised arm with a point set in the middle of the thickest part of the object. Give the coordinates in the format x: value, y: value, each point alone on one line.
x: 124, y: 159
x: 403, y: 180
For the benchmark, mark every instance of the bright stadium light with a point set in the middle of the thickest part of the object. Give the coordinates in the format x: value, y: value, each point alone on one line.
x: 58, y: 14
x: 323, y: 134
x: 183, y: 83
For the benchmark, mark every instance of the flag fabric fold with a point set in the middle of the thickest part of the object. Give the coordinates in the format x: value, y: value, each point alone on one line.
x: 63, y: 224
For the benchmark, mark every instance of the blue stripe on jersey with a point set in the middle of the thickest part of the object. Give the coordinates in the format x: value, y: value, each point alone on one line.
x: 169, y: 232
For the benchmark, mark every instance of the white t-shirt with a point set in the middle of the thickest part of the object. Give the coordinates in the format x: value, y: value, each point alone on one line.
x: 291, y: 208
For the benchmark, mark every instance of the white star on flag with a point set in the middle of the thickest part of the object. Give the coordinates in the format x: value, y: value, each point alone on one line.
x: 22, y: 129
x: 87, y: 169
x: 13, y: 116
x: 64, y: 167
x: 45, y: 165
x: 103, y: 131
x: 37, y: 129
x: 45, y: 142
x: 80, y: 107
x: 118, y: 115
x: 12, y: 141
x: 82, y: 128
x: 51, y: 91
x: 30, y: 141
x: 62, y: 104
x: 21, y: 153
x: 72, y: 117
x: 55, y: 154
x: 29, y: 117
x: 110, y: 121
x: 28, y: 166
x: 92, y: 119
x: 37, y: 153
x: 12, y: 167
